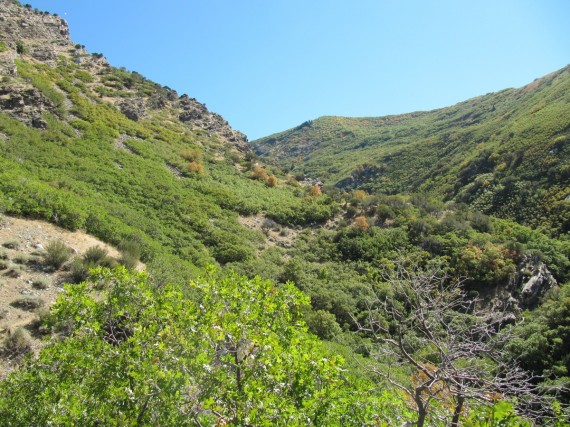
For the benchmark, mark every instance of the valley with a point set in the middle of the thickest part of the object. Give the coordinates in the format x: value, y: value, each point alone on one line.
x: 347, y: 272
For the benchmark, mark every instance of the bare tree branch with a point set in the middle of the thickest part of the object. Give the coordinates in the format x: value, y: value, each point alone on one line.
x: 454, y: 349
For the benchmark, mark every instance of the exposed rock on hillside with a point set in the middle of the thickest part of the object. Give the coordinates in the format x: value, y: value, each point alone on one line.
x: 26, y: 104
x: 36, y: 28
x: 533, y: 280
x: 530, y: 283
x: 37, y: 36
x: 198, y: 115
x: 134, y: 109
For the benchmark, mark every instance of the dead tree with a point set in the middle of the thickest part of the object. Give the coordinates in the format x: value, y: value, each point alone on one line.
x: 452, y: 350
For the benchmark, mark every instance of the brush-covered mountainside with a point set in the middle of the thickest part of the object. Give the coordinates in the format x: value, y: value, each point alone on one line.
x: 504, y: 153
x: 265, y: 301
x: 87, y: 145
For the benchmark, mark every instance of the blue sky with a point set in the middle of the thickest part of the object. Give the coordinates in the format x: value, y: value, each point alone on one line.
x: 268, y: 65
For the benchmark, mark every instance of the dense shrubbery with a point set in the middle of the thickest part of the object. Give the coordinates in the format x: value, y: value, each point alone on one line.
x: 75, y: 182
x: 235, y: 353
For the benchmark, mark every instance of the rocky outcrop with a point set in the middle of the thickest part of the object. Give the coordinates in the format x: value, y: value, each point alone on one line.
x: 43, y: 37
x: 32, y: 28
x: 198, y: 116
x: 26, y: 104
x: 7, y: 64
x: 532, y: 281
x: 133, y: 108
x: 188, y: 110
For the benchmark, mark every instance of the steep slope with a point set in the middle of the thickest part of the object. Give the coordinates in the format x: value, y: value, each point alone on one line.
x: 44, y: 38
x: 86, y: 145
x: 506, y: 153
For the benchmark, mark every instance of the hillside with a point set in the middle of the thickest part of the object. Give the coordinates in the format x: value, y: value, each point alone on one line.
x: 87, y: 145
x: 264, y: 300
x: 505, y: 153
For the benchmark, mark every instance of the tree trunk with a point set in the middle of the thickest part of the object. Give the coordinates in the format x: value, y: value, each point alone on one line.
x: 238, y: 372
x: 457, y: 411
x: 421, y: 417
x: 422, y: 410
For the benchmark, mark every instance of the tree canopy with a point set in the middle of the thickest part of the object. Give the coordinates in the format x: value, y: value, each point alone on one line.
x: 140, y: 354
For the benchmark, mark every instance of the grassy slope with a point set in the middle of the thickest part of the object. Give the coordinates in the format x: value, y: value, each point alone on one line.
x: 506, y: 153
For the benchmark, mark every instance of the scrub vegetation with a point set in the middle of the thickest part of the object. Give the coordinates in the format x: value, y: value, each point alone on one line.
x: 362, y: 272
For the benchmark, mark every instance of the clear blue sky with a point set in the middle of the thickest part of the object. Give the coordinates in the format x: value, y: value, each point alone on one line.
x: 268, y: 65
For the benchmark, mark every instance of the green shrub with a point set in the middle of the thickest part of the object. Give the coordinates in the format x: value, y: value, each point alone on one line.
x: 128, y: 261
x: 18, y: 344
x: 56, y: 254
x: 95, y: 255
x: 21, y: 259
x: 28, y: 303
x: 14, y: 272
x: 323, y: 324
x: 78, y: 271
x: 20, y: 48
x: 44, y: 321
x: 41, y: 284
x: 84, y: 76
x: 11, y: 244
x: 130, y: 252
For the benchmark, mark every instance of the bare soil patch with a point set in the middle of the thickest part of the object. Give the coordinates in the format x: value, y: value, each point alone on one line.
x: 277, y: 235
x: 26, y: 281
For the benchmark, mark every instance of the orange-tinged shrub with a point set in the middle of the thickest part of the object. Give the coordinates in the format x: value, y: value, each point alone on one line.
x: 192, y: 155
x: 195, y: 167
x: 259, y: 173
x: 361, y: 223
x: 314, y: 191
x: 359, y: 195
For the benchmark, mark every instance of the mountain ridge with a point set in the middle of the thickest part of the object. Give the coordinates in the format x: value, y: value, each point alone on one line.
x: 519, y: 134
x: 45, y: 38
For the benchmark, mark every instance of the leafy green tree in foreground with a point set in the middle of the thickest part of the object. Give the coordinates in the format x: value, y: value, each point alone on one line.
x: 237, y: 354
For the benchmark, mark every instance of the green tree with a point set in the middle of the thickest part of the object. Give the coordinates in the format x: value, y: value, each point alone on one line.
x: 542, y: 342
x: 20, y: 47
x: 140, y: 354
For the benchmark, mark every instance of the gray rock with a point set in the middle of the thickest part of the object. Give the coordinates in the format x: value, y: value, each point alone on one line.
x: 39, y: 123
x: 26, y: 104
x: 533, y: 281
x: 134, y: 109
x: 45, y: 54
